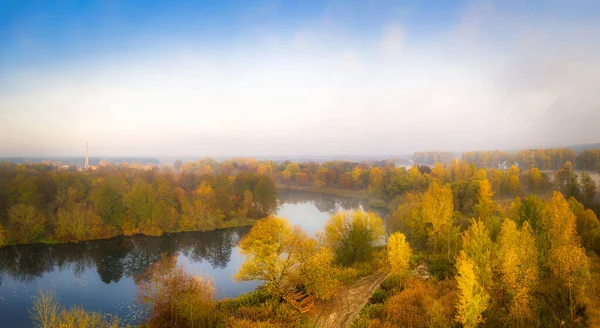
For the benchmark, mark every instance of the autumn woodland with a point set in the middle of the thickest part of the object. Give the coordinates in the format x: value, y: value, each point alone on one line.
x: 506, y: 239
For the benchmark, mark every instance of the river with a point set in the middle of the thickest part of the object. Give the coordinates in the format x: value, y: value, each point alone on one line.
x: 101, y: 275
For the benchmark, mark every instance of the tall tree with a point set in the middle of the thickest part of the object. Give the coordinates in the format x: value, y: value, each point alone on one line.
x: 399, y: 253
x: 485, y: 206
x: 472, y: 297
x: 518, y: 265
x: 478, y: 246
x: 25, y: 223
x: 565, y: 256
x: 436, y: 211
x: 589, y: 190
x: 566, y: 182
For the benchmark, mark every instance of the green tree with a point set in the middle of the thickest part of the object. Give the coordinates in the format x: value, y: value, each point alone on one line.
x: 109, y: 204
x: 78, y: 222
x: 567, y: 182
x: 352, y: 235
x: 589, y: 190
x: 139, y: 202
x: 25, y: 223
x: 265, y: 196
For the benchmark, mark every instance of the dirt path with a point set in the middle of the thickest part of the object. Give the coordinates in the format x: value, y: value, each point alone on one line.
x: 340, y: 311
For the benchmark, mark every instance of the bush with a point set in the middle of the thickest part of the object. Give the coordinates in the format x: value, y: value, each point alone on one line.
x: 393, y: 283
x: 253, y: 298
x: 379, y: 296
x: 48, y: 313
x: 178, y: 299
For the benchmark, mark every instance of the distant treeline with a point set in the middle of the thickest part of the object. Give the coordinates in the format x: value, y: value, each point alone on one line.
x: 543, y: 159
x: 79, y: 160
x: 432, y: 157
x: 384, y: 180
x: 41, y: 203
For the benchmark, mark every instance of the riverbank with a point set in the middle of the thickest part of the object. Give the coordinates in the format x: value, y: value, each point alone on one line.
x: 52, y: 241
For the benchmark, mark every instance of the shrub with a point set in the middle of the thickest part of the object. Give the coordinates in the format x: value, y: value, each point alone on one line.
x: 48, y: 313
x: 178, y: 299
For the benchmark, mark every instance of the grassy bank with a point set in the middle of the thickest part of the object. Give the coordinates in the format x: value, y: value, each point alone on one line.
x: 53, y: 241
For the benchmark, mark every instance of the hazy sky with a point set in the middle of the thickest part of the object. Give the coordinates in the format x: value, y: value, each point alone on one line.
x: 200, y: 78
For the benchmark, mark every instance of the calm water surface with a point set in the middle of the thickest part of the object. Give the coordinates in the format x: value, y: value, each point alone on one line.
x: 102, y: 275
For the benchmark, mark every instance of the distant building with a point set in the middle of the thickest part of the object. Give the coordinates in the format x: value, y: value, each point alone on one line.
x: 86, y: 165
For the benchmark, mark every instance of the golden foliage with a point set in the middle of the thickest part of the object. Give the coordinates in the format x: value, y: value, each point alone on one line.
x: 473, y: 299
x: 317, y: 275
x: 78, y: 222
x: 352, y: 235
x: 178, y: 299
x: 399, y: 253
x: 26, y: 223
x: 420, y: 304
x: 272, y: 249
x: 566, y: 258
x: 48, y: 313
x: 485, y: 207
x: 478, y: 247
x: 518, y: 265
x: 436, y: 209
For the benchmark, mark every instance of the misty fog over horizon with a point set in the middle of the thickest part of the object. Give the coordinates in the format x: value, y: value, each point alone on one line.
x: 277, y: 78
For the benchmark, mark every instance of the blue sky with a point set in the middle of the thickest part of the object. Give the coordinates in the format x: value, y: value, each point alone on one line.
x: 199, y: 78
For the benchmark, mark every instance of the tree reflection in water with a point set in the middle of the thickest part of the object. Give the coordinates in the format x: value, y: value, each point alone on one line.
x: 327, y: 203
x: 118, y: 257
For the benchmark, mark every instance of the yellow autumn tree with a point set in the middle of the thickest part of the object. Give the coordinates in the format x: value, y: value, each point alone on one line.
x: 565, y: 256
x: 316, y: 274
x: 440, y: 172
x: 399, y: 253
x: 536, y: 180
x: 356, y: 172
x: 436, y: 212
x: 272, y: 249
x: 375, y: 179
x: 514, y: 180
x: 207, y: 170
x: 485, y: 207
x: 518, y: 265
x: 478, y: 246
x: 472, y: 298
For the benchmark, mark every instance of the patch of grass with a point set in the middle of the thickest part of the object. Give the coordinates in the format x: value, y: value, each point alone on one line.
x: 253, y: 298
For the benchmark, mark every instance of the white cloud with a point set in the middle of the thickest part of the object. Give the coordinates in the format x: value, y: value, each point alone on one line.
x: 483, y: 84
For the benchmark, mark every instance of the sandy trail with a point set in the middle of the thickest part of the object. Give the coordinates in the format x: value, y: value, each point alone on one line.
x: 341, y: 310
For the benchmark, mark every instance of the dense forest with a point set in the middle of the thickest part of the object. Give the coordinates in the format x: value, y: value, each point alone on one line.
x: 499, y: 247
x: 43, y: 203
x: 40, y: 203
